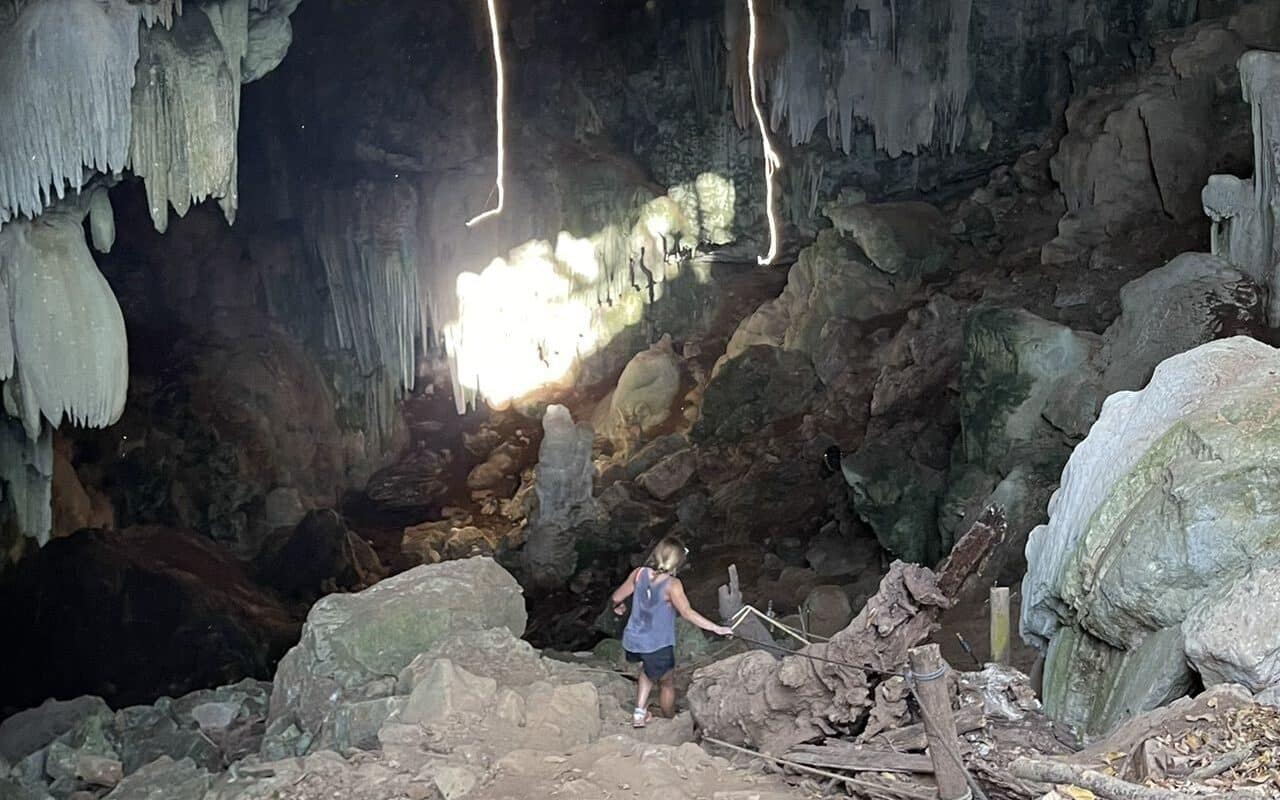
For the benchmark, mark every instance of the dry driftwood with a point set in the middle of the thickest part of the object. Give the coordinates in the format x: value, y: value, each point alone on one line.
x: 911, y: 738
x: 1102, y: 785
x: 911, y: 793
x: 856, y: 758
x: 757, y: 699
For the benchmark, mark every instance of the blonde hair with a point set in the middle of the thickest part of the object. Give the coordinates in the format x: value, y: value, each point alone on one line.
x: 668, y: 555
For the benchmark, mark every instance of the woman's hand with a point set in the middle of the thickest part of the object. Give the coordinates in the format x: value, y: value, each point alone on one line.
x: 721, y: 630
x: 620, y: 609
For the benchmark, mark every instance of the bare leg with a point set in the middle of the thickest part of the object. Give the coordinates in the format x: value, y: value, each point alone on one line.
x: 644, y: 686
x: 667, y: 694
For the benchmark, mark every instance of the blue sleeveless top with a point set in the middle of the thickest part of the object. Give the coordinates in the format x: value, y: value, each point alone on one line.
x: 653, y: 619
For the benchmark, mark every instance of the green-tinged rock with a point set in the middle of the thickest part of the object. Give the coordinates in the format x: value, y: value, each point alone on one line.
x: 691, y: 643
x: 1174, y: 495
x: 28, y: 731
x: 164, y: 779
x: 754, y: 389
x: 907, y: 240
x: 353, y: 646
x: 831, y: 280
x: 611, y: 651
x: 899, y: 499
x: 1014, y: 365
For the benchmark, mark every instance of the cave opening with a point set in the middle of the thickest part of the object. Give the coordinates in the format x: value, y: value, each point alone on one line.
x: 253, y: 357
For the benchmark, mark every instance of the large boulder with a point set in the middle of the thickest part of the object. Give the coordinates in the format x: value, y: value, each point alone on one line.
x: 1170, y: 498
x: 1232, y: 636
x: 909, y: 240
x: 830, y: 280
x: 646, y: 393
x: 1193, y: 299
x: 128, y: 615
x: 319, y: 551
x: 1015, y: 365
x: 353, y: 646
x: 760, y: 386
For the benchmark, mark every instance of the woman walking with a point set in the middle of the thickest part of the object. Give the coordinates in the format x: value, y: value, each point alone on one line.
x: 650, y: 635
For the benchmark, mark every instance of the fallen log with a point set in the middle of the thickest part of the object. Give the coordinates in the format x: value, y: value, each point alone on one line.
x: 911, y: 738
x: 1056, y: 772
x: 853, y: 758
x: 856, y: 783
x: 822, y: 689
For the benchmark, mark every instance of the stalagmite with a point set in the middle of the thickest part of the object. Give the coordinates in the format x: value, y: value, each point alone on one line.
x: 1246, y: 213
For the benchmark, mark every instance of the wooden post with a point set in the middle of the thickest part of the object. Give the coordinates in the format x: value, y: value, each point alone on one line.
x: 929, y: 673
x: 1000, y: 624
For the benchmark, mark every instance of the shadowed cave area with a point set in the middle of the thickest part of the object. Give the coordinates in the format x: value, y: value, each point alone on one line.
x: 313, y: 472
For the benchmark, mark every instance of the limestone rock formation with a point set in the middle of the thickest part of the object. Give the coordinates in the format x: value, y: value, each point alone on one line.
x: 1121, y: 563
x: 642, y: 401
x: 1231, y: 637
x: 103, y: 608
x: 1244, y: 213
x: 1143, y: 148
x: 1015, y: 365
x: 562, y: 482
x: 1193, y: 299
x: 353, y: 646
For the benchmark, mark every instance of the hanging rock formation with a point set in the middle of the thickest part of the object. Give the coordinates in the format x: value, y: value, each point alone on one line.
x: 102, y: 87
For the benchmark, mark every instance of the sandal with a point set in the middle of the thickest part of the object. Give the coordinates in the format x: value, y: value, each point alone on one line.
x: 640, y: 718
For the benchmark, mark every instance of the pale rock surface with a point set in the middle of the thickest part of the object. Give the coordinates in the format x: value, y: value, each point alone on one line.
x: 562, y: 482
x: 646, y: 391
x: 1191, y: 458
x: 1232, y: 636
x: 353, y: 646
x: 1245, y: 212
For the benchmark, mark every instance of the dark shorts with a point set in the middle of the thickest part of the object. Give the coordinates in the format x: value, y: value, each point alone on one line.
x: 657, y: 663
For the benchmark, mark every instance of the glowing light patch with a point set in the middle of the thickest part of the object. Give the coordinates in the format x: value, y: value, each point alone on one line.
x: 772, y: 161
x: 501, y: 115
x: 526, y: 321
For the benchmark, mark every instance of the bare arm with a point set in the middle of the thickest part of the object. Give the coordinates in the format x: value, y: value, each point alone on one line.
x: 624, y: 591
x: 681, y: 602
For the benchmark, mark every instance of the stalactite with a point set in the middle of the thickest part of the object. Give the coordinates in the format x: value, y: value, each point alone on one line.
x: 102, y: 222
x: 184, y: 118
x: 365, y: 237
x: 69, y: 345
x: 66, y: 68
x: 909, y: 78
x: 26, y: 476
x: 6, y: 336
